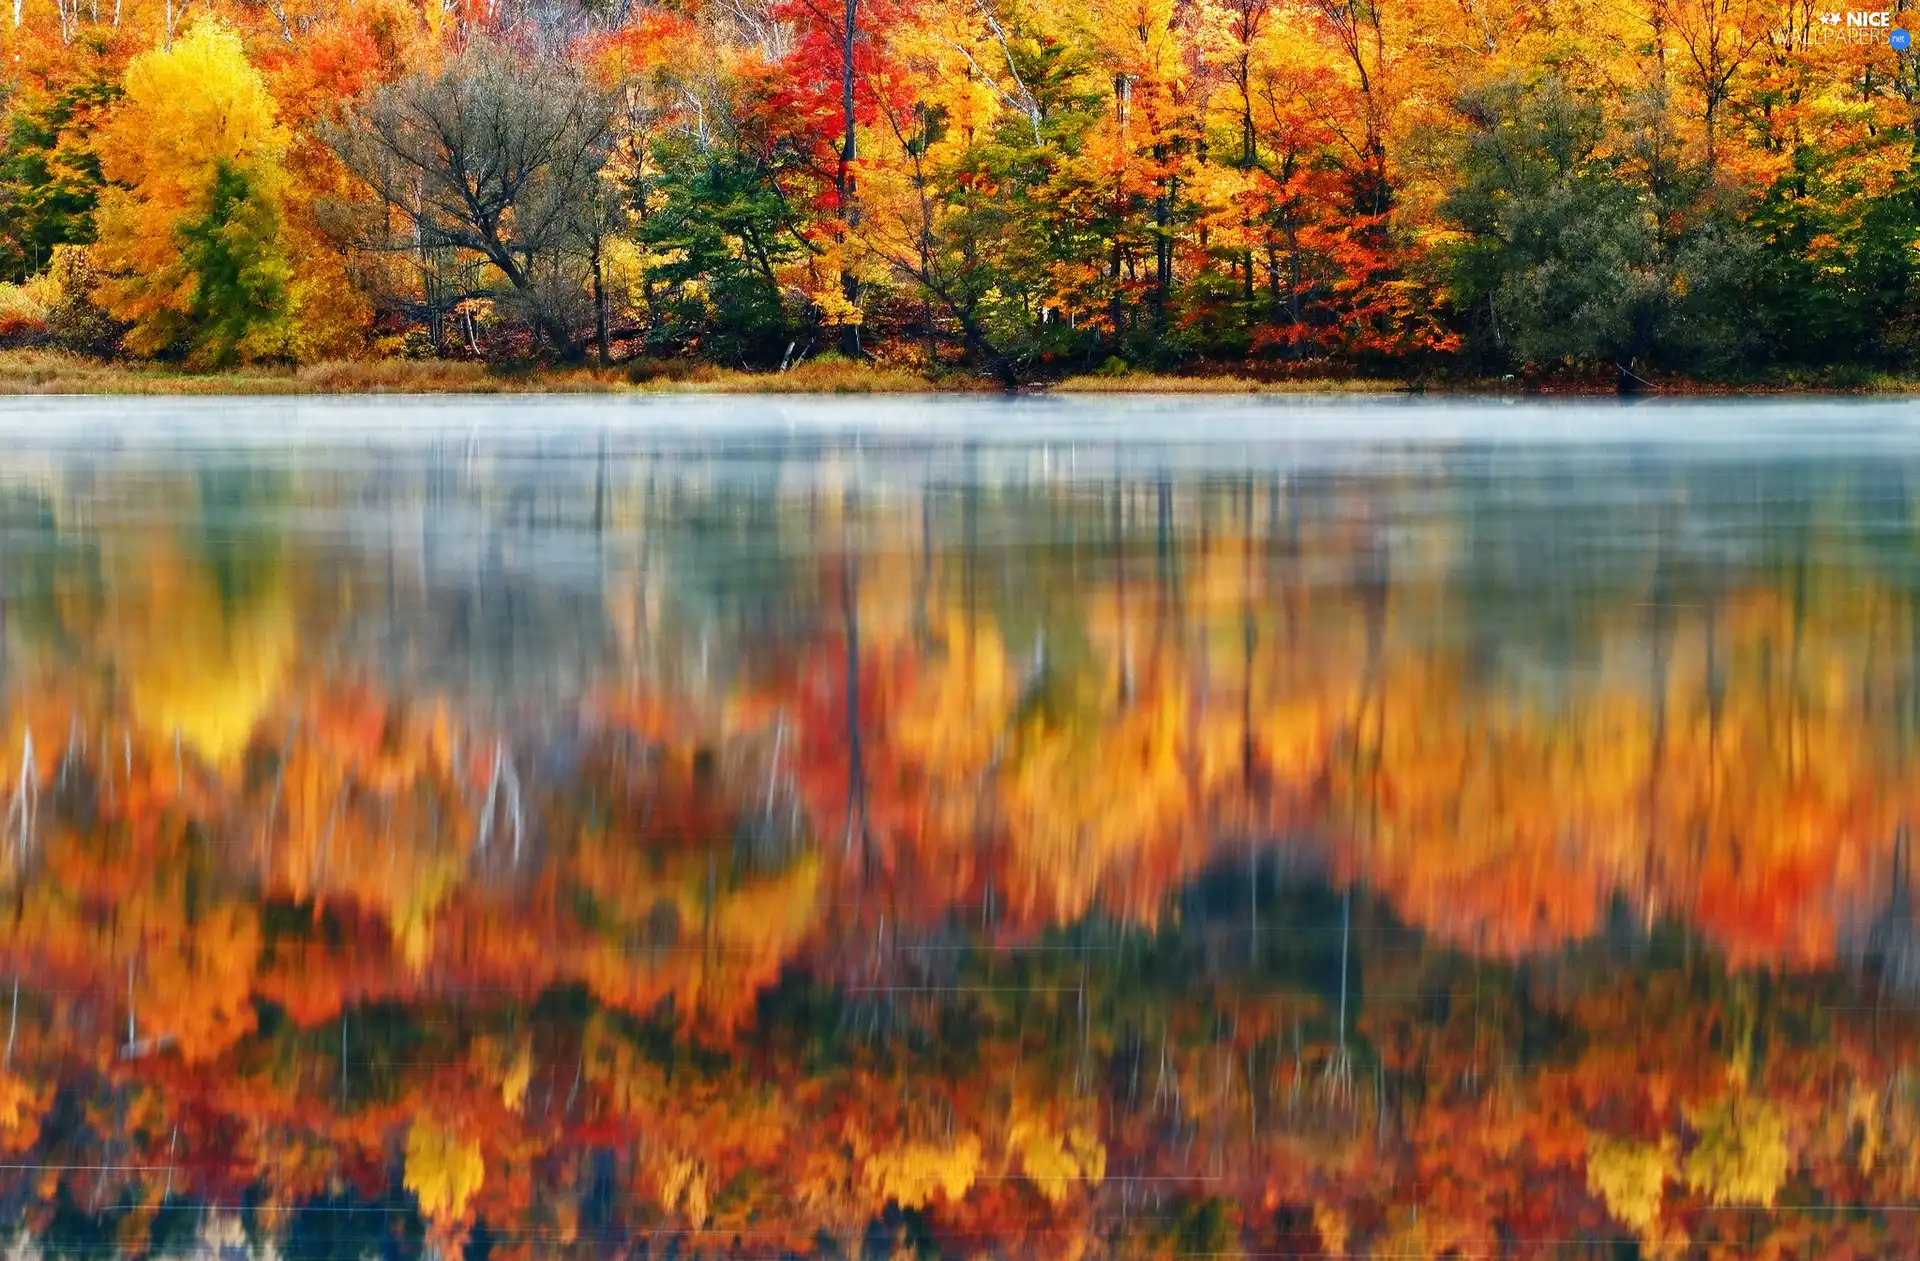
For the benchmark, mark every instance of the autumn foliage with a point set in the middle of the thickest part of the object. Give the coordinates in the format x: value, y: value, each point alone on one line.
x: 1003, y: 189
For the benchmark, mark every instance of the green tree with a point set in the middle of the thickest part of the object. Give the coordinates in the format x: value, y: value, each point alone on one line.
x: 1836, y: 278
x: 194, y: 158
x: 1590, y: 243
x: 240, y: 300
x: 718, y: 228
x: 973, y: 223
x: 49, y: 176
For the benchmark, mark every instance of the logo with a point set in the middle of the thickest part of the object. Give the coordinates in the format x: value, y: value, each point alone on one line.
x: 1829, y: 19
x: 1856, y: 19
x: 1900, y: 40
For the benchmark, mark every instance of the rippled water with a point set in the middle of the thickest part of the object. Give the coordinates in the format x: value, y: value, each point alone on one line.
x: 873, y: 828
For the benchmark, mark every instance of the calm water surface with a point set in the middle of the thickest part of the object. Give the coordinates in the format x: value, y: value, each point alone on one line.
x: 948, y: 828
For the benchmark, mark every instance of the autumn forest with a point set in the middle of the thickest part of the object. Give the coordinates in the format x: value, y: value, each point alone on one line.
x: 1622, y: 192
x: 630, y: 846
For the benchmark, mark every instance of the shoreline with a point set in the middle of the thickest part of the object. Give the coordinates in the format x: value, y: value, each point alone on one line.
x: 40, y: 373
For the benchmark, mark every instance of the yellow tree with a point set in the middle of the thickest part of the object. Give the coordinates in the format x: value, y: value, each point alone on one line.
x: 189, y: 222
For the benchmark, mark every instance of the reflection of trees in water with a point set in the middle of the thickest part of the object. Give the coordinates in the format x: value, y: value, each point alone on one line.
x: 1112, y: 936
x: 1476, y: 599
x: 40, y: 566
x: 1526, y: 733
x: 461, y: 578
x: 197, y: 621
x: 482, y: 584
x: 189, y: 614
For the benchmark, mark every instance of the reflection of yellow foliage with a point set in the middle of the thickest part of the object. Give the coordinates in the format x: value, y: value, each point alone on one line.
x: 683, y: 1188
x: 513, y: 1087
x: 1087, y: 797
x: 766, y: 918
x: 413, y: 917
x: 1332, y: 1227
x: 15, y: 1098
x: 1053, y: 1161
x: 443, y: 1171
x: 509, y: 1064
x: 752, y: 927
x: 955, y: 716
x: 1631, y: 1178
x: 1742, y: 1156
x: 911, y: 1174
x: 193, y: 664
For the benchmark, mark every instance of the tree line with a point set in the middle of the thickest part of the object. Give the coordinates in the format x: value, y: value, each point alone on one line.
x: 1419, y: 188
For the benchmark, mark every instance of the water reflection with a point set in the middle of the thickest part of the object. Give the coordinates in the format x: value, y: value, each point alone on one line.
x: 621, y: 842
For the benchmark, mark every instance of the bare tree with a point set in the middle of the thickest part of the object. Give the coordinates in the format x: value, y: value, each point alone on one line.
x: 495, y: 155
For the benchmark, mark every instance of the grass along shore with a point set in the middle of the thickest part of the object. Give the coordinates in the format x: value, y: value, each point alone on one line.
x: 54, y: 372
x: 60, y: 372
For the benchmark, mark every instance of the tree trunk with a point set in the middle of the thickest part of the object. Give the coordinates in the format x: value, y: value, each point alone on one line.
x: 847, y: 183
x: 997, y: 361
x: 600, y: 305
x: 1162, y: 255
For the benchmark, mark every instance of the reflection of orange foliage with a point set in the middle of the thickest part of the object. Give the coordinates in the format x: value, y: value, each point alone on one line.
x: 357, y: 811
x: 1745, y: 787
x: 726, y: 942
x: 22, y: 1103
x: 195, y: 992
x: 1747, y: 794
x: 364, y: 805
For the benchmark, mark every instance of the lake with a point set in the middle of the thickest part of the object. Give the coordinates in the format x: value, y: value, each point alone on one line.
x: 900, y: 827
